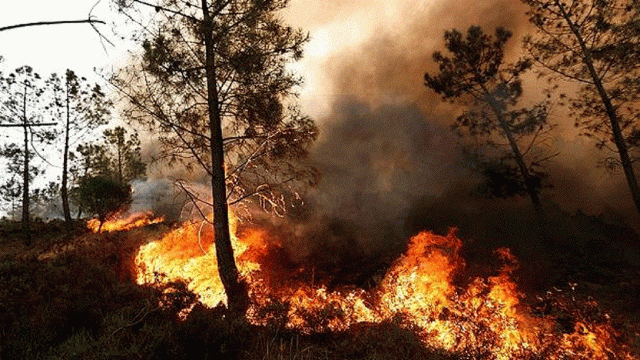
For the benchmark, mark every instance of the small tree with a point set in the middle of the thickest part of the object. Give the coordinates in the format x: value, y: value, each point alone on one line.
x: 89, y: 158
x: 116, y: 157
x: 123, y: 154
x: 103, y: 197
x: 476, y: 76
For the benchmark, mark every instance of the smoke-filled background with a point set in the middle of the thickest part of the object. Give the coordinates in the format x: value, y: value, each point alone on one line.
x: 390, y: 165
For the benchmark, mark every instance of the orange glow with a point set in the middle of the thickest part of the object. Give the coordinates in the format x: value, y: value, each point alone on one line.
x: 483, y: 319
x: 133, y: 221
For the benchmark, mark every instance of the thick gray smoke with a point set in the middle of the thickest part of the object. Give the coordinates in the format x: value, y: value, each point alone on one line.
x: 389, y: 164
x: 374, y: 163
x: 377, y: 79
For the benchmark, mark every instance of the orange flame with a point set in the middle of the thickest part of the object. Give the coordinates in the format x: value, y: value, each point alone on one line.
x: 481, y: 320
x: 133, y: 221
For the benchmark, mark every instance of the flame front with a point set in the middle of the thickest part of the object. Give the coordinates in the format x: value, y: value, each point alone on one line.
x: 483, y: 319
x: 132, y: 221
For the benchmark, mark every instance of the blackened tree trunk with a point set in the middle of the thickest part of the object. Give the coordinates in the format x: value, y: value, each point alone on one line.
x: 517, y: 154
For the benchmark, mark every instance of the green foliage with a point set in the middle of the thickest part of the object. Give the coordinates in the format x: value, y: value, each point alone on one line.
x: 81, y: 108
x: 102, y: 196
x: 12, y: 187
x: 88, y: 106
x: 115, y: 159
x: 476, y: 61
x: 21, y: 103
x: 89, y: 159
x: 125, y: 163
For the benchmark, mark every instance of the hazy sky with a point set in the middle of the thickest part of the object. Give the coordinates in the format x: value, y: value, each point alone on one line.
x: 365, y: 57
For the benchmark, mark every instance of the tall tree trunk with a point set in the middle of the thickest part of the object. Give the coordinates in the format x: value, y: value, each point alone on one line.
x: 237, y: 296
x: 522, y: 165
x: 120, y: 146
x: 65, y: 164
x: 25, y: 174
x: 614, y: 121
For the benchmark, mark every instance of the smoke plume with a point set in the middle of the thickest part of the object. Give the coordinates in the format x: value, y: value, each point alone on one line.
x: 390, y: 165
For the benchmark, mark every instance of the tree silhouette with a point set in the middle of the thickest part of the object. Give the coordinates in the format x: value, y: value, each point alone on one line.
x: 124, y: 161
x: 58, y: 22
x: 476, y: 76
x: 213, y: 86
x: 594, y: 43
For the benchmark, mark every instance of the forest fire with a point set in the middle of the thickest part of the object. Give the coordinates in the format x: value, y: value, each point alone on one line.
x: 132, y: 221
x: 483, y: 319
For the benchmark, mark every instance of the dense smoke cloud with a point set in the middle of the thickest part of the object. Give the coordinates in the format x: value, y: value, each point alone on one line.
x: 384, y: 69
x: 389, y: 163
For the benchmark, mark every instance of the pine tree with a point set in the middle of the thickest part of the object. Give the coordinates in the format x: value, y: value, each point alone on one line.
x: 476, y: 76
x: 212, y: 84
x: 595, y: 44
x: 81, y: 107
x: 22, y: 106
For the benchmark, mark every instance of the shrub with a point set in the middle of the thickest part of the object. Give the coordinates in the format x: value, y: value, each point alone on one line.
x: 103, y: 196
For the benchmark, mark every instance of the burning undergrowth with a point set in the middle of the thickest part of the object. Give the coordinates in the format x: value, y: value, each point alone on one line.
x: 420, y: 291
x: 121, y: 222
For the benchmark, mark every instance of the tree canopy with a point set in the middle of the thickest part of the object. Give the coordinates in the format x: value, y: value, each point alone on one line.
x: 103, y: 197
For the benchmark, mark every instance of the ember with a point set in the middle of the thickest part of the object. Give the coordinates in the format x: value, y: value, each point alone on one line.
x: 484, y: 319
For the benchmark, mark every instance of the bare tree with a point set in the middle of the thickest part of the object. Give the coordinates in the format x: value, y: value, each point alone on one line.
x: 59, y: 22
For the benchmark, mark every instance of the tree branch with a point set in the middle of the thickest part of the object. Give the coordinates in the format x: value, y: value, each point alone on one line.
x: 89, y: 21
x: 28, y: 125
